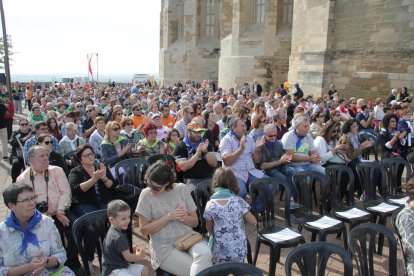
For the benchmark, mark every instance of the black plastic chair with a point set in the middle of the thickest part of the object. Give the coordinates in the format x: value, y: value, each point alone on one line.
x: 131, y: 171
x: 362, y: 246
x: 170, y: 161
x: 312, y: 259
x: 394, y: 168
x: 202, y: 194
x: 336, y: 174
x: 395, y: 221
x: 410, y: 159
x: 235, y: 269
x: 263, y: 190
x: 304, y: 182
x: 94, y: 222
x: 366, y: 172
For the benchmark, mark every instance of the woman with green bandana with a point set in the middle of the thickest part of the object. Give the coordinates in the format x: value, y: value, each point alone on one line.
x: 150, y: 145
x: 114, y: 146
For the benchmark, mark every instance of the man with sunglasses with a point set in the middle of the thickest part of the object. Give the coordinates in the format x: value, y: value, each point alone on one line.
x: 137, y: 117
x: 40, y: 127
x: 181, y: 125
x: 274, y: 161
x: 195, y: 156
x: 89, y: 123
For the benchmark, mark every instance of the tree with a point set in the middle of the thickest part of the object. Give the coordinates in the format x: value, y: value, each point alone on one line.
x: 2, y: 52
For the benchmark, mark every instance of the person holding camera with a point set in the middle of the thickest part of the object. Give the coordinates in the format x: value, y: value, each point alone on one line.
x: 52, y: 189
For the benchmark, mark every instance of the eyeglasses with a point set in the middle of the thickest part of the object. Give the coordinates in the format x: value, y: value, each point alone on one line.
x: 90, y: 110
x: 28, y: 200
x: 47, y: 142
x: 116, y: 129
x: 337, y: 115
x: 24, y: 124
x: 88, y: 155
x: 153, y: 187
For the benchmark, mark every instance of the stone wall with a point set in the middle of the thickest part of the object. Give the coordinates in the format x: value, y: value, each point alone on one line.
x: 188, y: 55
x: 364, y: 47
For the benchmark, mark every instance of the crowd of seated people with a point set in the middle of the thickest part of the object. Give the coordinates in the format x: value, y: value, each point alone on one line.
x: 255, y: 136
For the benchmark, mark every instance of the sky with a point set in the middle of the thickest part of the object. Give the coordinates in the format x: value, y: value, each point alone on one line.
x: 55, y: 36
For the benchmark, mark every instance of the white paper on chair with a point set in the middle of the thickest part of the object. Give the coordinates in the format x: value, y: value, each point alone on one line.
x: 400, y: 201
x: 324, y: 222
x: 352, y: 213
x: 383, y: 207
x: 283, y: 235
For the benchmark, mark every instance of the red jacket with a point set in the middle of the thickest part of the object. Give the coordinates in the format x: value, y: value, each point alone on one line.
x: 10, y: 111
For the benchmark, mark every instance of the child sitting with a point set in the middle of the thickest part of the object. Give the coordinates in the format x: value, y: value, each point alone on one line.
x: 116, y: 257
x: 224, y: 215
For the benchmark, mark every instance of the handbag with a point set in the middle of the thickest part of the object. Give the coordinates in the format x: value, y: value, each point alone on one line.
x: 188, y: 240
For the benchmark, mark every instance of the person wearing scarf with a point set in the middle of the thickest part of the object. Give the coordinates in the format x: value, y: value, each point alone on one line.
x: 70, y: 142
x: 343, y: 112
x: 36, y: 115
x: 114, y: 146
x: 298, y: 143
x: 195, y: 156
x: 150, y: 145
x: 225, y: 213
x: 31, y: 240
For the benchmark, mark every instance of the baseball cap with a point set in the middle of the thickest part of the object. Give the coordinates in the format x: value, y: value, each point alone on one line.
x: 155, y: 116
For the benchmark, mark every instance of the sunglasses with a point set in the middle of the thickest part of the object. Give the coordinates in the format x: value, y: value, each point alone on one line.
x: 24, y: 124
x: 47, y: 142
x: 272, y: 136
x: 116, y: 129
x: 90, y: 110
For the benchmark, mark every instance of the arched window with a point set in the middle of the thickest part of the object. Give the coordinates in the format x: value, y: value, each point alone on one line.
x: 260, y: 11
x: 210, y: 18
x: 288, y: 12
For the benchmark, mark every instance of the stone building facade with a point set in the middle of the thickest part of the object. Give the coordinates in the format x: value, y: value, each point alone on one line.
x: 364, y: 47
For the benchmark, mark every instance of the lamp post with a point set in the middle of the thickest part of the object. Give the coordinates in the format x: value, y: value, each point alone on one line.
x: 6, y: 51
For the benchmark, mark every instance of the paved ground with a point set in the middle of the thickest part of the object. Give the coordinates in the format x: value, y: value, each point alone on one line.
x: 335, y: 268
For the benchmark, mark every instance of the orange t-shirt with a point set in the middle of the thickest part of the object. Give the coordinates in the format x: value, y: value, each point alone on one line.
x: 29, y: 94
x: 168, y: 122
x: 137, y: 121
